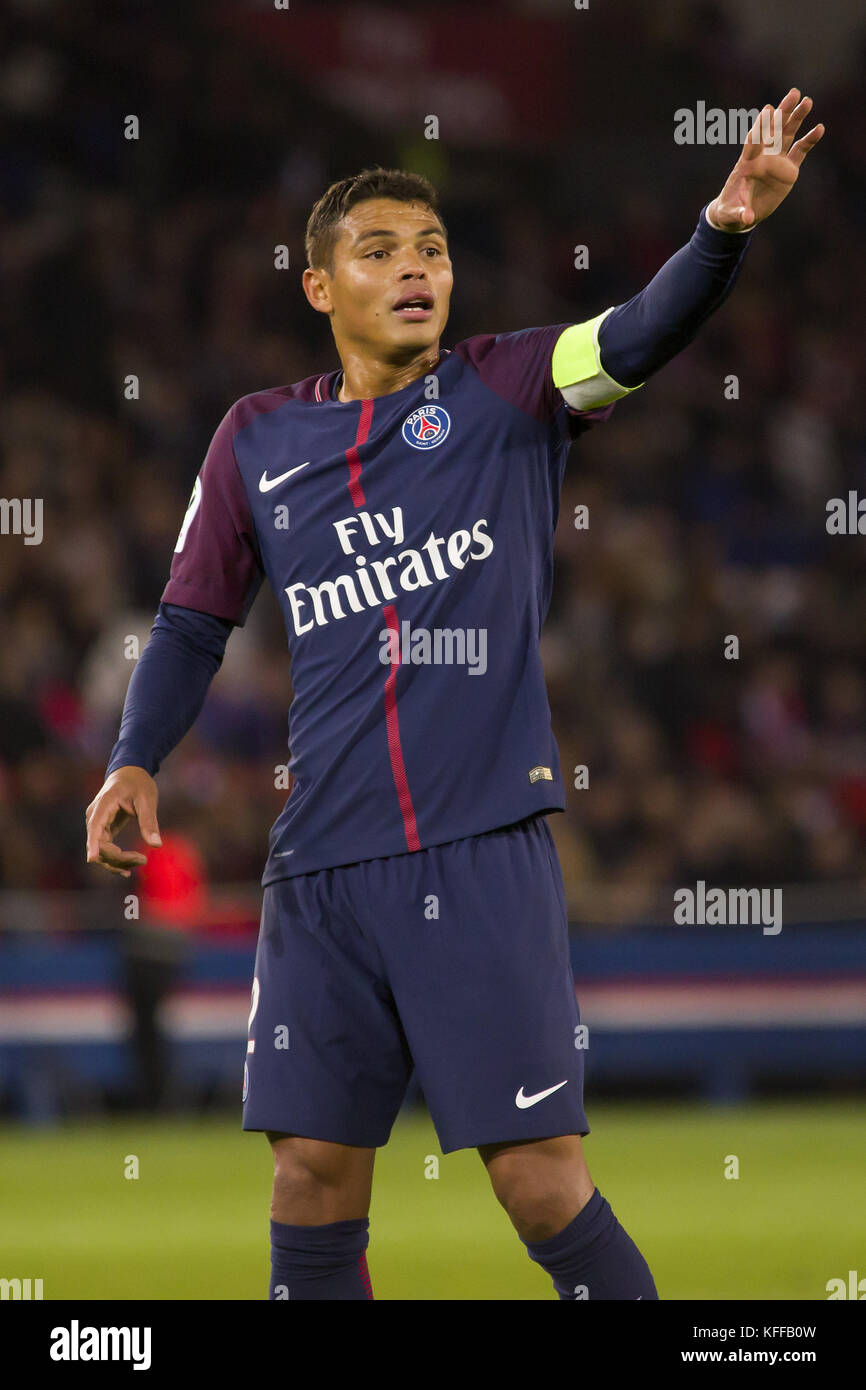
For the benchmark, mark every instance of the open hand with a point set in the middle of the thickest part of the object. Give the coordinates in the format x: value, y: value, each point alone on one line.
x: 768, y: 166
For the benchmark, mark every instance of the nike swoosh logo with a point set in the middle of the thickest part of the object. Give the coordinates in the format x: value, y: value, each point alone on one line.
x: 266, y: 483
x: 523, y: 1102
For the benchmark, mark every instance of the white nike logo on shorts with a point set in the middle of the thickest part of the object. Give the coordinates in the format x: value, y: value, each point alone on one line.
x: 523, y: 1102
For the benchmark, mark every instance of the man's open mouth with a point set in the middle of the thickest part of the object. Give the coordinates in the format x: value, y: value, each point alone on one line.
x: 415, y: 306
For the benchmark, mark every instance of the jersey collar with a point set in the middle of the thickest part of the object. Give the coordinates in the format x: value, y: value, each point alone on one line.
x: 327, y: 386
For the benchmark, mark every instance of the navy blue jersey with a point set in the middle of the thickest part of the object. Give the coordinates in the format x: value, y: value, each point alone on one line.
x: 409, y: 541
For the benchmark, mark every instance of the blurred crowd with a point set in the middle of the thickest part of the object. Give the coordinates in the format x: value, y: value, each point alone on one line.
x: 739, y: 762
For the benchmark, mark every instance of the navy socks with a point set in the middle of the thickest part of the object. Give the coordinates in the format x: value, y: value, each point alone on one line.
x: 320, y: 1262
x: 594, y: 1258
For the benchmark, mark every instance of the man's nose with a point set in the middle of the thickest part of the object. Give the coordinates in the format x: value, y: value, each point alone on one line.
x: 412, y: 265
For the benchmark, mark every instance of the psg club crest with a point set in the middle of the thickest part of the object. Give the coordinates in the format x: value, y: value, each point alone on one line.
x: 427, y: 427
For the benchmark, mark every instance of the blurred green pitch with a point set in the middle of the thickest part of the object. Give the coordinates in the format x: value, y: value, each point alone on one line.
x: 195, y: 1223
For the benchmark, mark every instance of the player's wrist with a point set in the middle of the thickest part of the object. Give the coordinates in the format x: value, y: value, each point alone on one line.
x: 127, y: 772
x: 711, y: 217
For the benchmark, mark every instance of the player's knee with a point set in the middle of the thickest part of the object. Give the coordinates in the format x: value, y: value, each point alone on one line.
x: 537, y: 1209
x: 295, y: 1187
x: 541, y: 1186
x: 307, y: 1163
x: 320, y: 1180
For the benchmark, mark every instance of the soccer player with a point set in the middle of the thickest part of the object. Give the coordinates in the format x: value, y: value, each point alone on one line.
x: 403, y: 507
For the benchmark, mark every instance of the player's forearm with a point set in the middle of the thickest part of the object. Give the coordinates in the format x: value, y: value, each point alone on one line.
x: 637, y: 338
x: 168, y: 686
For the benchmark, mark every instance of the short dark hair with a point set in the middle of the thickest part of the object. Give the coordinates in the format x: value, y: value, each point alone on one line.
x: 400, y: 184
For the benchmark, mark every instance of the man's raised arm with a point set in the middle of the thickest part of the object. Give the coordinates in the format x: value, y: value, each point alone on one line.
x: 597, y: 362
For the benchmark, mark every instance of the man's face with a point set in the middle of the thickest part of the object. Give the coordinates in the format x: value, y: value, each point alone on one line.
x: 390, y: 286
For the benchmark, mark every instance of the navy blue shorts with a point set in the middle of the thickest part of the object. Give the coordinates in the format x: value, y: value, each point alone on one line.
x: 453, y: 960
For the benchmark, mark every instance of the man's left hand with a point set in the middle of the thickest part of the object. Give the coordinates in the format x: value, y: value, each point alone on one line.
x: 768, y: 166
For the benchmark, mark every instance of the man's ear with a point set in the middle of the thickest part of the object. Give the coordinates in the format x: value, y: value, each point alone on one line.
x: 316, y: 285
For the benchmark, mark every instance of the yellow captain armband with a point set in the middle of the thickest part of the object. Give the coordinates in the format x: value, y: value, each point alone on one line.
x: 577, y: 369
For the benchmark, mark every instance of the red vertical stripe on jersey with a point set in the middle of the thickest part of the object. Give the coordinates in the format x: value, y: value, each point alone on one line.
x: 392, y: 722
x: 392, y: 726
x: 352, y: 459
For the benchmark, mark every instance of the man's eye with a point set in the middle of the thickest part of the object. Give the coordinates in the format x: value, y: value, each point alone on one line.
x: 379, y: 252
x: 434, y: 249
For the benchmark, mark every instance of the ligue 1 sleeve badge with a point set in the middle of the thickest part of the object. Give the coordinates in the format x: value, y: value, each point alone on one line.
x: 426, y: 427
